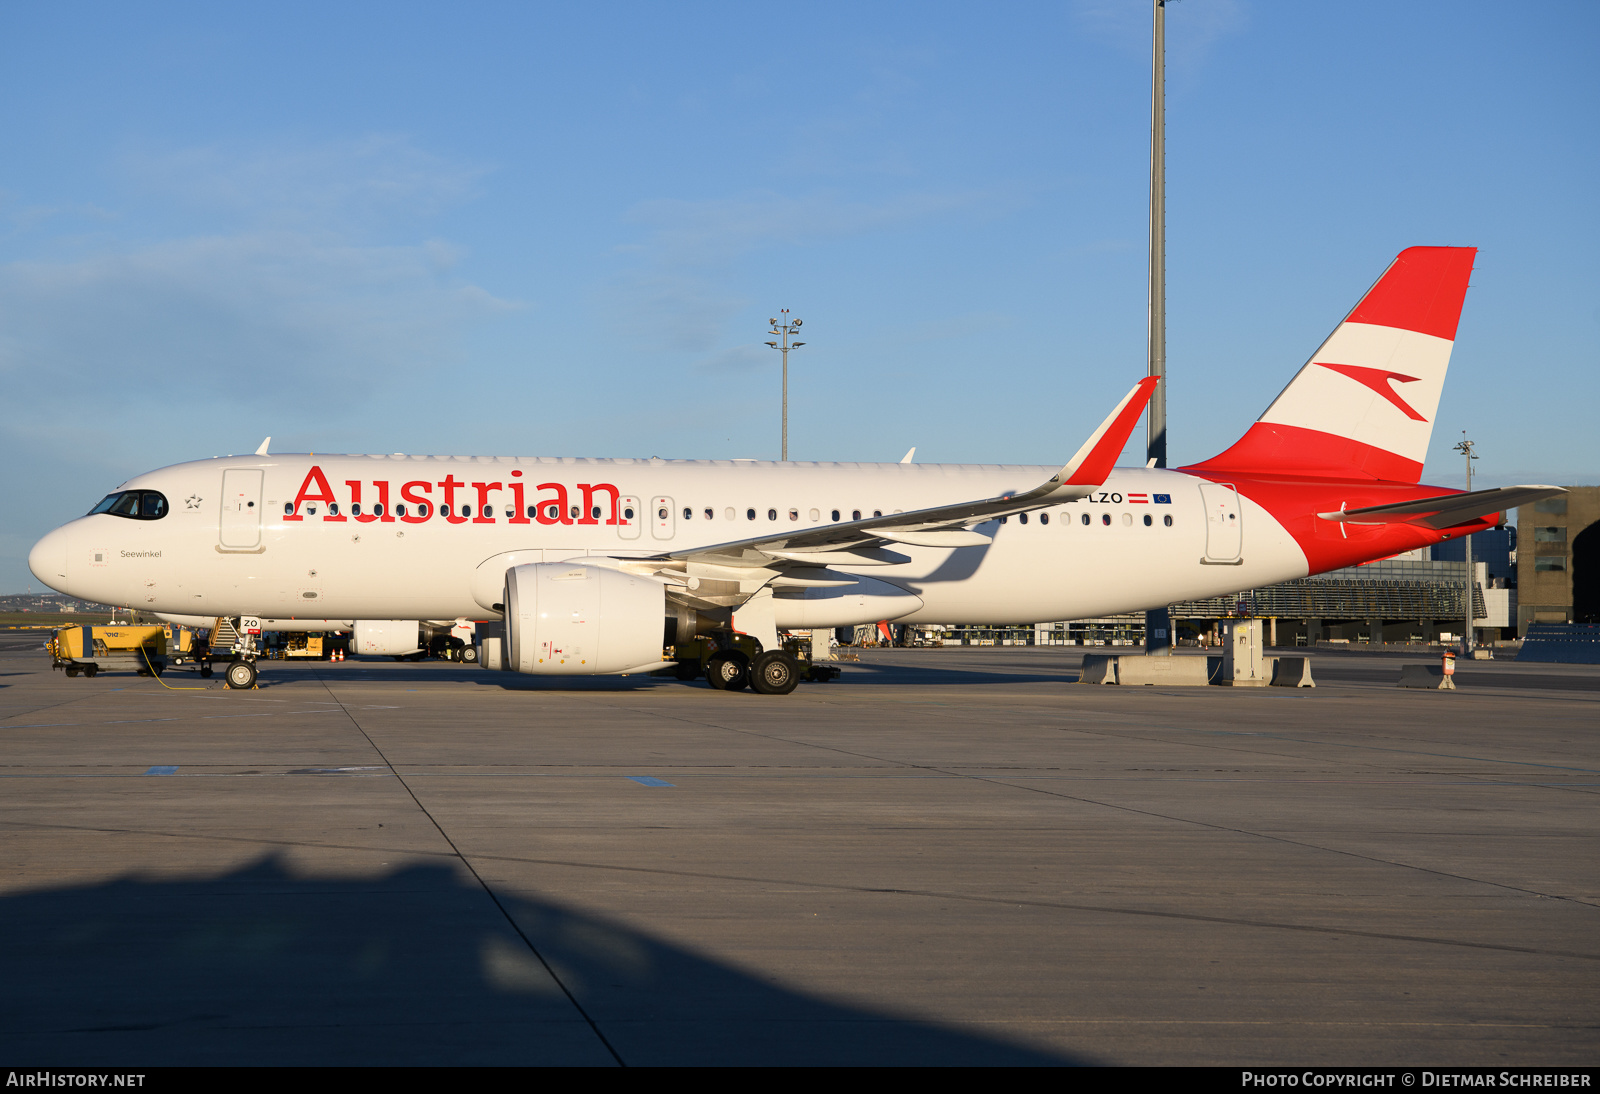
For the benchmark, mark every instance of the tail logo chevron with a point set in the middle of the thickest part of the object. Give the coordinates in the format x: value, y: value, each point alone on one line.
x: 1379, y: 380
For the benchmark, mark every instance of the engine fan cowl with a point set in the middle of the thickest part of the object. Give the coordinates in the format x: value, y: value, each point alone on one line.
x: 567, y: 619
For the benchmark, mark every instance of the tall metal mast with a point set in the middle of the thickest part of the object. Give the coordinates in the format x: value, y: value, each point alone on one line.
x: 786, y: 329
x: 1158, y: 621
x: 1156, y: 422
x: 1465, y: 448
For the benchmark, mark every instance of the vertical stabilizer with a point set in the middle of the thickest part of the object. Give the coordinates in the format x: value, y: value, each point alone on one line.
x: 1363, y: 406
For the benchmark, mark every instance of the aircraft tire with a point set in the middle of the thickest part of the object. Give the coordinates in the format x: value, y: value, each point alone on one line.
x: 727, y: 672
x: 241, y: 675
x: 469, y: 654
x: 774, y: 673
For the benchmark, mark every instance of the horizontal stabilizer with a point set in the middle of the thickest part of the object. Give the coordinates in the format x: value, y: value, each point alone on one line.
x: 1446, y: 510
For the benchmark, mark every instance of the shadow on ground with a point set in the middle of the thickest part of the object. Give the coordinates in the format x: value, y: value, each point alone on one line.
x: 418, y: 966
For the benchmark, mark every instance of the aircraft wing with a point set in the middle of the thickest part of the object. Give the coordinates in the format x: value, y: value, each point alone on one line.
x: 1446, y: 510
x: 860, y: 542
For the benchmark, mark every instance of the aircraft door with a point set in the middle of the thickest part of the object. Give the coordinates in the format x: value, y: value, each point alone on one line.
x: 1224, y: 529
x: 630, y: 515
x: 662, y: 524
x: 241, y: 507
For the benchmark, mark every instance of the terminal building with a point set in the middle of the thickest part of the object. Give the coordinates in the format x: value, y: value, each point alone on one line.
x: 1415, y: 598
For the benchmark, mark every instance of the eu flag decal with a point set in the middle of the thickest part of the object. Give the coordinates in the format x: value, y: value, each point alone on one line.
x: 1161, y: 499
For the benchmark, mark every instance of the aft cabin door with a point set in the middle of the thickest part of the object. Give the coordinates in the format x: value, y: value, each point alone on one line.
x: 1224, y: 530
x: 241, y: 508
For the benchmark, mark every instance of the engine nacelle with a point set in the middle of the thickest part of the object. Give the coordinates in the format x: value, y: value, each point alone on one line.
x: 388, y: 637
x: 568, y: 619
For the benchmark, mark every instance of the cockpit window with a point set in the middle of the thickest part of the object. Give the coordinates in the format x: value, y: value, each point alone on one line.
x: 136, y: 504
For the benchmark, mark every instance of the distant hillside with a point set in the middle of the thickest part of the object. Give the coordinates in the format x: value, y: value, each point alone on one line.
x: 53, y: 603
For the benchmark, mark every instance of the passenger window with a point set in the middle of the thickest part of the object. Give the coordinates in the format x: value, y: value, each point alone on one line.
x: 1168, y: 522
x: 815, y: 515
x: 288, y: 511
x: 422, y: 510
x: 1147, y: 524
x: 855, y: 514
x: 772, y: 514
x: 533, y: 511
x: 1044, y: 518
x: 399, y: 510
x: 877, y: 512
x: 377, y: 509
x: 444, y: 510
x: 836, y: 521
x: 794, y: 514
x: 1086, y: 521
x: 1105, y: 518
x: 1127, y: 520
x: 688, y: 514
x: 750, y: 514
x: 710, y: 514
x: 466, y: 510
x: 1022, y: 518
x: 661, y: 514
x: 627, y: 514
x: 355, y: 508
x: 728, y: 512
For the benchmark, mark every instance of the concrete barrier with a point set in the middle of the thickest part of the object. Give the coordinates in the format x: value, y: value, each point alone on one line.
x: 1098, y: 669
x: 489, y: 655
x: 1428, y: 677
x: 1291, y: 672
x: 1138, y: 670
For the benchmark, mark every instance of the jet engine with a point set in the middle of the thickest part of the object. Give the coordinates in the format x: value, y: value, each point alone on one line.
x: 392, y: 637
x: 566, y: 619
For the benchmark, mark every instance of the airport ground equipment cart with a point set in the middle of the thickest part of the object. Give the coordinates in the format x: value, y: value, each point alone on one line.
x: 115, y: 648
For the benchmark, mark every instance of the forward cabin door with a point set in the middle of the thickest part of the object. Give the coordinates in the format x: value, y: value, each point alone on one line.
x: 241, y: 507
x: 1224, y: 529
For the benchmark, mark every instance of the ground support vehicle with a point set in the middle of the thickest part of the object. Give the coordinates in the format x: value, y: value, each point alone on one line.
x: 120, y: 648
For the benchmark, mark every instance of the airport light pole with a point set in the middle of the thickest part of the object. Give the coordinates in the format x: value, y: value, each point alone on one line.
x: 785, y: 330
x: 1158, y: 621
x: 1465, y: 448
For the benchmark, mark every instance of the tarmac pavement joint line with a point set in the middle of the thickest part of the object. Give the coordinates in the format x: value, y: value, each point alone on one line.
x: 1001, y: 781
x: 487, y: 891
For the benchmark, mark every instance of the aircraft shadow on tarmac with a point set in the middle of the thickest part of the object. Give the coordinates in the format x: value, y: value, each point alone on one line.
x: 417, y: 966
x: 854, y: 674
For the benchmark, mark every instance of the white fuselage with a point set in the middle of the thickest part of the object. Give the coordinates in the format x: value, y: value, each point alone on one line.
x: 240, y: 553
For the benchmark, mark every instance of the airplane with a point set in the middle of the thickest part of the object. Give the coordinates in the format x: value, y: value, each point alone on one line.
x: 601, y: 566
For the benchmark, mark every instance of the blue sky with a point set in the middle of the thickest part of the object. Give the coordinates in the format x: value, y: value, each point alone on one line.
x: 547, y: 229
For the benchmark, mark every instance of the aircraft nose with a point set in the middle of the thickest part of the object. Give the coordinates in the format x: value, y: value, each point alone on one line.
x: 48, y: 560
